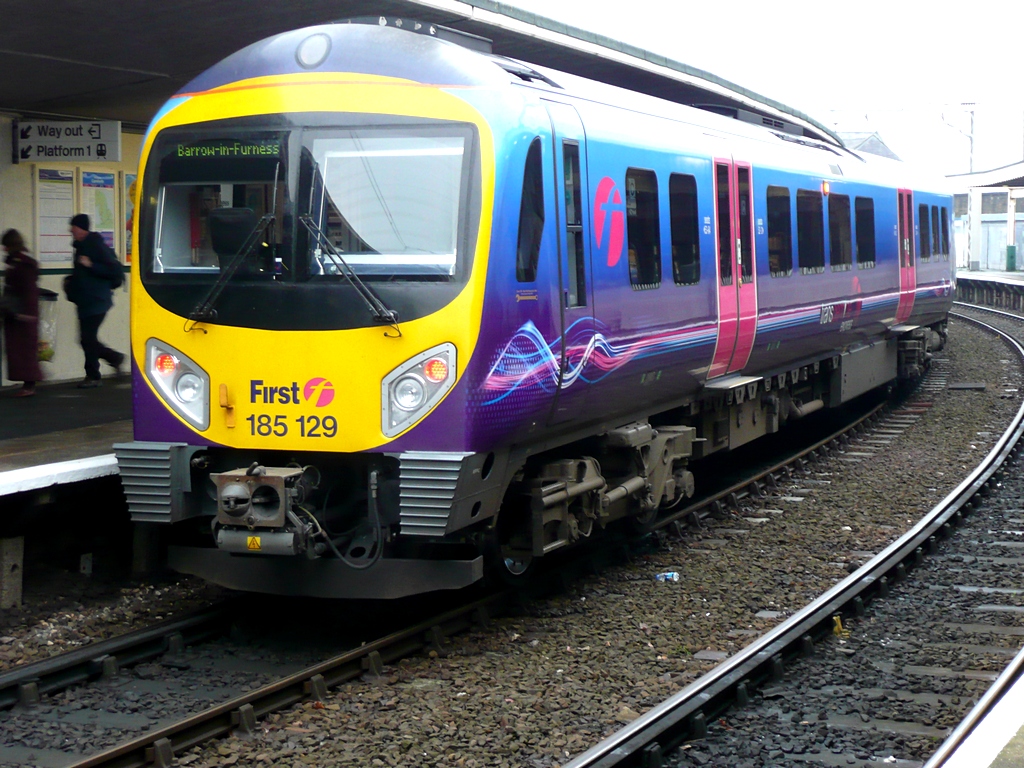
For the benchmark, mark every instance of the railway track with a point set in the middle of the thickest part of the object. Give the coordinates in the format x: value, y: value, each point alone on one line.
x: 839, y: 684
x: 156, y: 741
x: 249, y: 681
x: 161, y: 742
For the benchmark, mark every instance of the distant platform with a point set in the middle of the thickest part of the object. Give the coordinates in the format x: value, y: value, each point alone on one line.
x: 990, y: 275
x: 63, y: 434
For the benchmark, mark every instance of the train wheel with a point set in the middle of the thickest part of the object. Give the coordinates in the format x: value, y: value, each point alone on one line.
x: 508, y: 552
x: 516, y: 564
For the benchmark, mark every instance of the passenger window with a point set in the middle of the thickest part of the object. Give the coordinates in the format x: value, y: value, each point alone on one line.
x: 531, y: 216
x: 810, y: 231
x: 780, y: 233
x: 936, y: 242
x: 945, y: 233
x: 925, y: 233
x: 840, y: 237
x: 724, y: 224
x: 746, y: 213
x: 643, y: 230
x: 905, y: 229
x: 864, y: 212
x: 576, y: 275
x: 682, y: 206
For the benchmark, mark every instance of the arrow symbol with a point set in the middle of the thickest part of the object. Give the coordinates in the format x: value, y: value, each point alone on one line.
x: 26, y: 131
x: 26, y: 153
x: 94, y: 130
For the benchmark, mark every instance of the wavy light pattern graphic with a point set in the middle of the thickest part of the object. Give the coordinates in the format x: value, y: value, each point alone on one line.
x: 529, y: 360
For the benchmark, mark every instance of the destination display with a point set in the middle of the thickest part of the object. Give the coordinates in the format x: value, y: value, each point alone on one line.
x: 228, y: 148
x: 77, y: 141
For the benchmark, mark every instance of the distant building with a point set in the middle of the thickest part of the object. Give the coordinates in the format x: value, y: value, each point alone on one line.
x: 988, y: 217
x: 867, y: 142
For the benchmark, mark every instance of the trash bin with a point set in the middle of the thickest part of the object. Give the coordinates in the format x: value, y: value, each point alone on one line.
x: 1011, y: 258
x: 47, y: 324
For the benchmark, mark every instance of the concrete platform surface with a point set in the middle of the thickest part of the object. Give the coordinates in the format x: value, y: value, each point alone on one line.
x: 62, y: 435
x: 998, y: 740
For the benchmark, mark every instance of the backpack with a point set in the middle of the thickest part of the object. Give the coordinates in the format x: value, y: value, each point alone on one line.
x: 117, y: 278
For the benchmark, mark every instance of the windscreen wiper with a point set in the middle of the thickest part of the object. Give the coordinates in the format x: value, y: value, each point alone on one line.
x: 380, y: 311
x: 204, y: 311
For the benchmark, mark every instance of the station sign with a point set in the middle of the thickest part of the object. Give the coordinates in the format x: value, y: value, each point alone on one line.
x: 69, y: 141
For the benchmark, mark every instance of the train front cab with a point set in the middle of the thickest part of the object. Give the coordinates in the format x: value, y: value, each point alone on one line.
x: 273, y: 392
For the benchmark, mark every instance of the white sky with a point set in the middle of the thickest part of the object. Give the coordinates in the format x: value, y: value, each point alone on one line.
x: 899, y: 67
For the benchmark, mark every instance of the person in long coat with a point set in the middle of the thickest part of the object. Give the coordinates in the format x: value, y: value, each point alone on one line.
x: 21, y: 314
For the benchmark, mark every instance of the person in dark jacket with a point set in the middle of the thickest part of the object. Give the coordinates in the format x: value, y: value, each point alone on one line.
x: 96, y: 268
x: 21, y: 314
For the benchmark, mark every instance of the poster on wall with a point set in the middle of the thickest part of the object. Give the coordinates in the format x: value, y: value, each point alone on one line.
x: 55, y: 205
x: 129, y: 215
x: 99, y: 202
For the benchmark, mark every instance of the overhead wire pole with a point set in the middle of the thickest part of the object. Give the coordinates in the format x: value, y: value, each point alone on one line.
x: 969, y: 106
x: 970, y: 168
x: 970, y: 136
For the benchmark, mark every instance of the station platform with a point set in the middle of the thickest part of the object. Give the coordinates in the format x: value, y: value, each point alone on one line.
x: 989, y: 275
x: 63, y: 434
x: 997, y: 740
x: 1002, y: 290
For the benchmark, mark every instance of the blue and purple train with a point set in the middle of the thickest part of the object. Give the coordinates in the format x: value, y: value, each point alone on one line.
x: 405, y: 310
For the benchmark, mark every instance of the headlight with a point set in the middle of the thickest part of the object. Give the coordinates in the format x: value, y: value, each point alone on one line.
x: 182, y: 384
x: 188, y: 387
x: 409, y: 393
x: 416, y: 386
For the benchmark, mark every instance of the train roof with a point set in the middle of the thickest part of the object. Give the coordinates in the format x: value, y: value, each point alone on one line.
x: 536, y: 39
x: 540, y: 42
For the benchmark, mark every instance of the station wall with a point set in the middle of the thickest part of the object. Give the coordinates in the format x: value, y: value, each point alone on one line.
x: 18, y: 209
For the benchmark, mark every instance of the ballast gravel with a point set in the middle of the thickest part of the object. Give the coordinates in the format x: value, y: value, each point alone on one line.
x: 540, y: 687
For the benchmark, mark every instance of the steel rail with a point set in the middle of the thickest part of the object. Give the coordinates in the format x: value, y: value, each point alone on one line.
x: 24, y: 684
x: 993, y: 310
x: 686, y: 714
x: 241, y: 713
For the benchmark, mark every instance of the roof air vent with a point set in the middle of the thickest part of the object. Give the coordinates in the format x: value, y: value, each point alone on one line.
x: 466, y: 40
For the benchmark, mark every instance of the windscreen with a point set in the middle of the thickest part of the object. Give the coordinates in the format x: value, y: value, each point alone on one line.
x: 389, y: 204
x: 274, y: 215
x: 211, y: 196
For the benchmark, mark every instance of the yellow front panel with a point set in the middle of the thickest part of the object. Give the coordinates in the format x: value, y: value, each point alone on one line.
x: 313, y: 364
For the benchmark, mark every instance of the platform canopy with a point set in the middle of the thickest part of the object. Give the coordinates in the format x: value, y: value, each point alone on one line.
x: 1006, y: 176
x: 120, y: 59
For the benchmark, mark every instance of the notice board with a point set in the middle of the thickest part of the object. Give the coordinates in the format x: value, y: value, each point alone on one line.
x: 55, y: 205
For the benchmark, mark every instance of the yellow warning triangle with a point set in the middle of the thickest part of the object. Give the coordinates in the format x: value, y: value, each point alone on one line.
x: 252, y: 543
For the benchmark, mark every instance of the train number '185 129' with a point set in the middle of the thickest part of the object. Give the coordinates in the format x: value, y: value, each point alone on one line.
x: 265, y: 425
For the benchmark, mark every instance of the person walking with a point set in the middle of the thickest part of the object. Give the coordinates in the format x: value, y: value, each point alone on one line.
x: 21, y: 314
x: 96, y: 272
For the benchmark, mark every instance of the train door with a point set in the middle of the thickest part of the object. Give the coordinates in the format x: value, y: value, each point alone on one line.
x: 908, y: 270
x: 737, y: 277
x: 575, y: 281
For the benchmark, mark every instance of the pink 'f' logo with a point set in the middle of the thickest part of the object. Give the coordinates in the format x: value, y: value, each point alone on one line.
x: 321, y: 389
x: 607, y: 200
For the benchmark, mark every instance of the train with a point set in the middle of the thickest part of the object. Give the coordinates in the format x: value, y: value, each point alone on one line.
x: 406, y: 313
